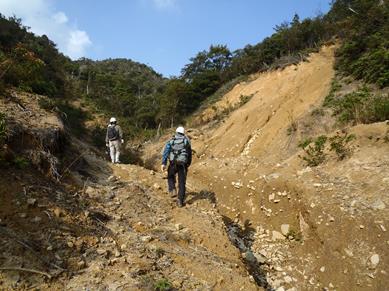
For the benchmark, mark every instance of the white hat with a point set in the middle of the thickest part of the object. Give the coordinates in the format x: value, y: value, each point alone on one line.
x: 112, y: 120
x: 180, y: 129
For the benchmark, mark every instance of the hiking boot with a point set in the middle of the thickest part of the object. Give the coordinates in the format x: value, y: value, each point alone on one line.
x: 180, y: 203
x: 173, y: 193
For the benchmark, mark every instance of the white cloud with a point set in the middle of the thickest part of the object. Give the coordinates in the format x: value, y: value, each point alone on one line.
x: 60, y: 17
x: 78, y: 41
x: 165, y: 4
x: 42, y: 17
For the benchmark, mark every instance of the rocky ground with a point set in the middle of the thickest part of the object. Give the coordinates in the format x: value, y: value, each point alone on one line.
x: 257, y: 218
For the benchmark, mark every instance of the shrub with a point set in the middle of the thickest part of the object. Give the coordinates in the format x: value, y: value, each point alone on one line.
x: 3, y: 128
x: 21, y: 162
x: 314, y: 153
x: 243, y: 99
x: 329, y: 99
x: 361, y: 106
x: 47, y: 104
x: 98, y: 136
x: 295, y: 235
x: 318, y: 112
x: 163, y: 285
x: 293, y: 124
x: 338, y: 144
x: 303, y: 144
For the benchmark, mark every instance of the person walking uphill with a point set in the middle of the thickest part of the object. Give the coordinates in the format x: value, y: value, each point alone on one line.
x: 179, y: 153
x: 113, y: 140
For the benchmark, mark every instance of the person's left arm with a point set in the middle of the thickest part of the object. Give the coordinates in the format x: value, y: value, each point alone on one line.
x: 189, y: 154
x: 120, y: 133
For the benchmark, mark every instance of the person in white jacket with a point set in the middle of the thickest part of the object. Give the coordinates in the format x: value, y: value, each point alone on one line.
x: 114, y: 139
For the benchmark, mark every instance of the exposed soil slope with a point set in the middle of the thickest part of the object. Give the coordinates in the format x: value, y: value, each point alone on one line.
x: 334, y: 216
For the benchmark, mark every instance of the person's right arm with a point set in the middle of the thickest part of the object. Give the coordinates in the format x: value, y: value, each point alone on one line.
x: 165, y: 155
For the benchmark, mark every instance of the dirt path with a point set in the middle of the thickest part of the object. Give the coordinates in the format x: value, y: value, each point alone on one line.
x: 155, y: 241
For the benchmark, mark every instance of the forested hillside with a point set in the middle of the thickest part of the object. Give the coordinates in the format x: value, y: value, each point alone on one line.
x: 144, y: 100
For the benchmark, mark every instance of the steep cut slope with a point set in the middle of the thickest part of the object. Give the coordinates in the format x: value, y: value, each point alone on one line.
x: 258, y: 127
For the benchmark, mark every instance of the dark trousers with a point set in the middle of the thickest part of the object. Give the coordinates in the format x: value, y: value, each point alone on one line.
x: 181, y: 171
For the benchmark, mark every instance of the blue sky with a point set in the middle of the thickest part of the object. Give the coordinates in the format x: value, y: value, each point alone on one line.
x: 161, y: 33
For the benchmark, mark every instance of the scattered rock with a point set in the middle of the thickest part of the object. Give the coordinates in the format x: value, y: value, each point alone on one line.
x: 146, y: 238
x: 304, y: 227
x: 101, y: 252
x: 57, y: 212
x: 271, y: 197
x: 374, y: 260
x: 31, y: 201
x: 285, y: 229
x: 274, y: 176
x: 288, y: 279
x: 111, y: 179
x: 90, y: 191
x: 22, y: 215
x: 378, y: 205
x: 322, y: 269
x: 276, y: 235
x: 156, y: 186
x: 261, y: 259
x: 303, y: 171
x: 37, y: 219
x: 178, y: 226
x: 349, y: 253
x: 81, y: 264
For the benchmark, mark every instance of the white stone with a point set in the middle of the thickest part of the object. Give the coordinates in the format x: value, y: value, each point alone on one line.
x: 31, y: 201
x: 271, y: 197
x: 101, y: 251
x: 285, y: 229
x: 36, y: 219
x: 288, y: 279
x: 378, y: 205
x: 146, y: 238
x: 374, y: 260
x: 277, y: 235
x: 322, y: 269
x: 179, y: 226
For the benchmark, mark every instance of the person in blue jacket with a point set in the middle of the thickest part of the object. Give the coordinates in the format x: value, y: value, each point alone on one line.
x: 179, y: 153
